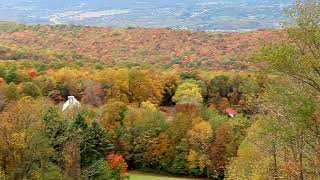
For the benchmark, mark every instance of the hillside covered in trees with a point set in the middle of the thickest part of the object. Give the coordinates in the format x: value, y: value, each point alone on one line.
x: 132, y: 46
x: 237, y: 106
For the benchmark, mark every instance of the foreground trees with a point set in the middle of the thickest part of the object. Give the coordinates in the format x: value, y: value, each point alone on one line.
x: 285, y: 136
x: 24, y: 146
x: 119, y: 117
x: 51, y: 147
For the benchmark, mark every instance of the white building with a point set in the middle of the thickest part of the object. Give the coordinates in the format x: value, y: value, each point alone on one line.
x: 70, y: 103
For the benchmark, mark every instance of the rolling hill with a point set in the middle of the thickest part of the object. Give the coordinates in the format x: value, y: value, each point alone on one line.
x: 133, y: 46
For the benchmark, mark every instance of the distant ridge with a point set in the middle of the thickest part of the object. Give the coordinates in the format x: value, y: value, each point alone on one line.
x: 141, y: 46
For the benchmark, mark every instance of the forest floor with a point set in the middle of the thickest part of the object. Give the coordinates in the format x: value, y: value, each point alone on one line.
x: 136, y: 175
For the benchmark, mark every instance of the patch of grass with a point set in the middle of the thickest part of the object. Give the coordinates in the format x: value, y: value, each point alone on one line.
x: 150, y: 176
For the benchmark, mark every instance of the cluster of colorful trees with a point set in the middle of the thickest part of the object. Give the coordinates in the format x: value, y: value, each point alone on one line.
x: 132, y: 47
x: 156, y: 120
x: 37, y: 142
x: 97, y: 85
x: 164, y: 120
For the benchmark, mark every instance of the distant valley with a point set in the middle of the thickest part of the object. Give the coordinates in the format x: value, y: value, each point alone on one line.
x: 210, y: 15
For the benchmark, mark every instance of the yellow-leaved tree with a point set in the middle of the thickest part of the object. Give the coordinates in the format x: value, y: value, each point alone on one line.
x: 188, y: 93
x: 199, y: 138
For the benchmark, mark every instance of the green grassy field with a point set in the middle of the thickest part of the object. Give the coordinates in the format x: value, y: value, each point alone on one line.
x: 150, y: 176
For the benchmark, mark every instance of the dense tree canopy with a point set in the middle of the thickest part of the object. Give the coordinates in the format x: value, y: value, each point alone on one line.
x: 160, y: 106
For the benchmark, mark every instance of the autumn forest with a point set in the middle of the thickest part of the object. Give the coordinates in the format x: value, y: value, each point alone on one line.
x: 87, y: 102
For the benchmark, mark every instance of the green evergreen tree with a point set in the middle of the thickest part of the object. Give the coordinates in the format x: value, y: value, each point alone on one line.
x: 179, y: 163
x: 80, y: 123
x: 56, y: 131
x: 95, y: 144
